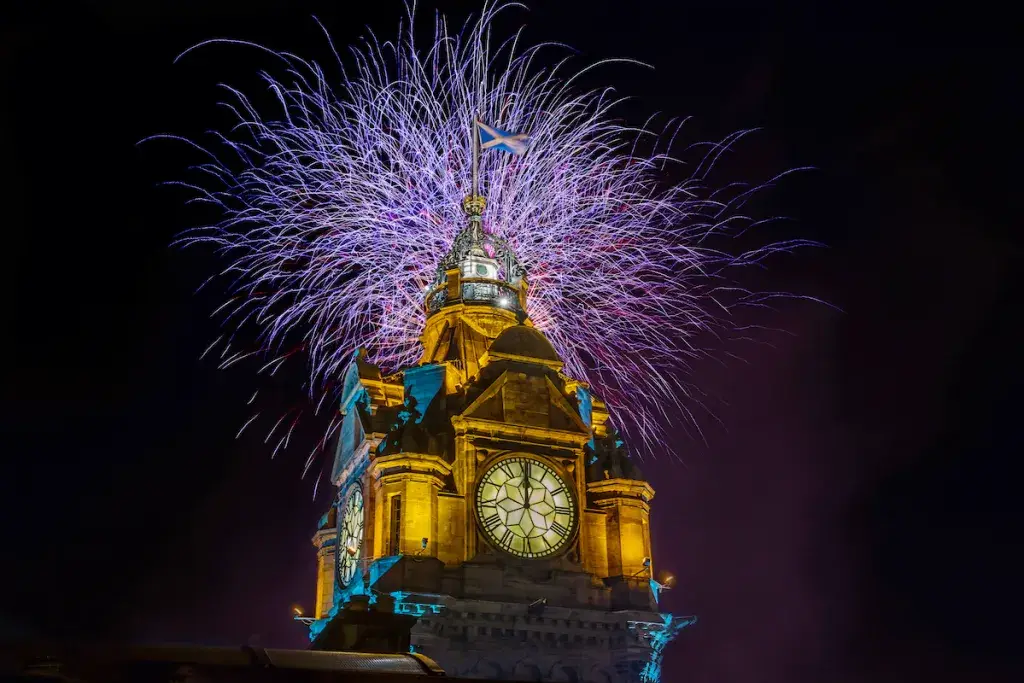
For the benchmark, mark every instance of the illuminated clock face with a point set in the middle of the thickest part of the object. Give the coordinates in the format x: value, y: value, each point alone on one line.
x: 350, y: 536
x: 525, y: 508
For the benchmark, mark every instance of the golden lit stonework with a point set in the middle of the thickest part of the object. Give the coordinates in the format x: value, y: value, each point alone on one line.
x: 484, y: 492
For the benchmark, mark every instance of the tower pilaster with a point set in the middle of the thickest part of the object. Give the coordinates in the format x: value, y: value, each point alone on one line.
x: 325, y: 541
x: 627, y: 507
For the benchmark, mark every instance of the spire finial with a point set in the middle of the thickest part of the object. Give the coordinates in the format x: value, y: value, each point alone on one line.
x: 473, y: 205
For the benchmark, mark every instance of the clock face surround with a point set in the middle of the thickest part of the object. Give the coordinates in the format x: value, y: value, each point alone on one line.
x: 350, y: 535
x: 525, y: 508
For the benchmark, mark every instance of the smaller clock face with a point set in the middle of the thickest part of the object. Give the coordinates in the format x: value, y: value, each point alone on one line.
x: 350, y: 536
x: 525, y: 508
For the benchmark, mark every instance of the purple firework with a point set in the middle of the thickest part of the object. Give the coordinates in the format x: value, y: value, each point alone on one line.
x: 339, y: 202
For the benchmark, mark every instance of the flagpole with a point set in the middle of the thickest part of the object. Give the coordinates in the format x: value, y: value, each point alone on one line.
x: 476, y: 158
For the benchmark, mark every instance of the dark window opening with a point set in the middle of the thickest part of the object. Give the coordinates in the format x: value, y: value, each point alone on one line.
x: 395, y: 537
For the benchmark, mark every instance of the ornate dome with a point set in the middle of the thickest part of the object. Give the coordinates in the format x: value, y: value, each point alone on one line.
x: 490, y: 273
x: 520, y: 340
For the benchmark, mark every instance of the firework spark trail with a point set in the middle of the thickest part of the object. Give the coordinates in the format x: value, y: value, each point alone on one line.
x: 339, y: 203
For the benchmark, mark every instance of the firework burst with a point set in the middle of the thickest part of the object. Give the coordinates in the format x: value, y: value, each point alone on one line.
x: 339, y: 202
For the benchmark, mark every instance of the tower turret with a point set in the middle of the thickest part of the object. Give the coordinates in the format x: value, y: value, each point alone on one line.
x: 479, y: 290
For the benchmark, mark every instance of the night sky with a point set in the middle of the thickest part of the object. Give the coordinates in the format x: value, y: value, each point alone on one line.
x: 853, y: 517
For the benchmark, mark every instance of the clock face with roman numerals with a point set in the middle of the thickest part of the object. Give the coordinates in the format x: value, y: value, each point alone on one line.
x: 525, y: 508
x: 350, y: 536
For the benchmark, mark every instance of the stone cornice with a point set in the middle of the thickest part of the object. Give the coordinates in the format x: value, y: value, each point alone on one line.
x: 324, y: 538
x: 411, y: 463
x: 475, y: 426
x: 610, y: 490
x: 490, y: 357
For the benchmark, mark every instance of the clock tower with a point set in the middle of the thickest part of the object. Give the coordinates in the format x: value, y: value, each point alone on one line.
x: 483, y: 496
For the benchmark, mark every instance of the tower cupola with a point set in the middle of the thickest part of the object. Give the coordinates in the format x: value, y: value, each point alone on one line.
x: 480, y: 269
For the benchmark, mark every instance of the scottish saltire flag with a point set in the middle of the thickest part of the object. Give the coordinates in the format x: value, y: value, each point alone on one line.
x: 496, y: 138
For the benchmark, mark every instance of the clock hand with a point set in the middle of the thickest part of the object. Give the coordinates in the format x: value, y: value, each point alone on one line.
x: 525, y: 486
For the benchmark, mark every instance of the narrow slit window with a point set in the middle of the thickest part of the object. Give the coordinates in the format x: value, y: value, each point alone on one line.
x: 395, y: 537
